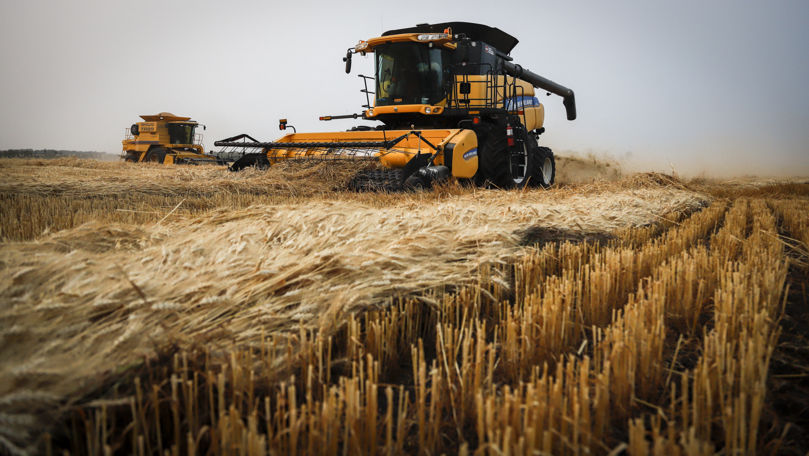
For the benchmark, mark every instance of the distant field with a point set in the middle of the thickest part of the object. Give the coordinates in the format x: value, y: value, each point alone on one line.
x: 54, y: 154
x: 188, y: 309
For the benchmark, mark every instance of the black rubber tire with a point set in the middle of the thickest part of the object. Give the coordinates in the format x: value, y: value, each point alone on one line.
x: 132, y: 157
x: 495, y: 159
x: 535, y: 155
x: 546, y: 164
x: 134, y: 129
x: 492, y: 159
x: 414, y: 183
x: 259, y: 161
x: 156, y: 155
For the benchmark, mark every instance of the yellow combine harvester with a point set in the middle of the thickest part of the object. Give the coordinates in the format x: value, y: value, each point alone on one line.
x: 451, y: 103
x: 165, y: 138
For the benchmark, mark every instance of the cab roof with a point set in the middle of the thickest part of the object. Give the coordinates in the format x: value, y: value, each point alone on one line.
x: 501, y: 40
x: 163, y: 116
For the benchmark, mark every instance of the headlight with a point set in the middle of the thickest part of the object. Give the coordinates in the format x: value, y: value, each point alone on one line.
x: 427, y: 110
x: 432, y: 36
x: 361, y: 46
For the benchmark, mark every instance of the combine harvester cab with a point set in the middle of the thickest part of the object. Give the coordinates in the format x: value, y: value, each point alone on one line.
x: 451, y: 103
x: 165, y: 138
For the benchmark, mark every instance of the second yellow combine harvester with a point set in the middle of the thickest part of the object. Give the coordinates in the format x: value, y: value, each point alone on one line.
x: 165, y: 138
x: 451, y: 102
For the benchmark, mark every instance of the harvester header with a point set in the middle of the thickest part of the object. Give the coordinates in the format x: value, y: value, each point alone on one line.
x: 450, y: 102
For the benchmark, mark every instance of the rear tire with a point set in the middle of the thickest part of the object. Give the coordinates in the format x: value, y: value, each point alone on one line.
x: 546, y: 167
x: 157, y: 155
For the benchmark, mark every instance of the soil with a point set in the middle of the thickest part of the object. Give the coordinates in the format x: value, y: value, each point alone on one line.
x: 787, y: 406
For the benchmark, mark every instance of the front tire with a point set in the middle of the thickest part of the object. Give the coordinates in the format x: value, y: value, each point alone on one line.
x: 258, y: 160
x: 493, y: 161
x: 507, y: 166
x: 157, y: 155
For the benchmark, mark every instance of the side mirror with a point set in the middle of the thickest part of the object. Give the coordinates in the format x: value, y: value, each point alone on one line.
x: 282, y: 125
x: 347, y: 60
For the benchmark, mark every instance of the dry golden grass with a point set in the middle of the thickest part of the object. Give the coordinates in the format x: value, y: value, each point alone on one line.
x: 636, y: 314
x: 42, y: 196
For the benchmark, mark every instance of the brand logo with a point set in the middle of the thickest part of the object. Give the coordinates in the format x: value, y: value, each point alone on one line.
x: 470, y: 154
x: 148, y: 126
x: 515, y: 103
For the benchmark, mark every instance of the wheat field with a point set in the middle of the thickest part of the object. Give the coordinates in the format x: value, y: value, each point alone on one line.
x: 188, y: 310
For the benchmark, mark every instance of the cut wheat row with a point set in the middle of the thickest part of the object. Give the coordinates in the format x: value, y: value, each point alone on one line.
x: 727, y: 385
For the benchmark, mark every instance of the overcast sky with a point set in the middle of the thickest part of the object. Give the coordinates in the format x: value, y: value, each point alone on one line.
x: 720, y: 87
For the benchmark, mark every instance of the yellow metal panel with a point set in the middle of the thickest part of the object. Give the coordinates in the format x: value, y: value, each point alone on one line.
x: 464, y: 154
x: 464, y: 151
x: 401, y: 109
x: 534, y: 117
x: 368, y: 46
x: 396, y: 157
x: 370, y: 135
x: 166, y: 116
